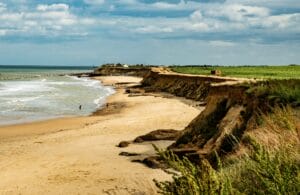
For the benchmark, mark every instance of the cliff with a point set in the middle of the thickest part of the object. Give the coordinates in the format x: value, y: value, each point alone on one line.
x: 233, y: 109
x: 194, y: 87
x: 116, y: 70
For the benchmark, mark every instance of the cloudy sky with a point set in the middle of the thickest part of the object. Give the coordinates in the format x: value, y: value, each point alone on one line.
x: 92, y: 32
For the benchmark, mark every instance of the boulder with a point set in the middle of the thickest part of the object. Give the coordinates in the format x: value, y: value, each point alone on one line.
x: 128, y: 154
x: 123, y: 144
x: 153, y: 162
x: 161, y: 134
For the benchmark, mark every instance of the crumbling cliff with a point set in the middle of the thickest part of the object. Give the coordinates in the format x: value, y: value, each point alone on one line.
x: 117, y: 71
x: 233, y: 107
x: 189, y: 86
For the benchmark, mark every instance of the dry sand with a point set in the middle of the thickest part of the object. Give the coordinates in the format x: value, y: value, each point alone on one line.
x: 79, y: 155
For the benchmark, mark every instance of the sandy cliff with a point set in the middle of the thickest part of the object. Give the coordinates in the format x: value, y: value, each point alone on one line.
x: 125, y: 71
x: 233, y: 107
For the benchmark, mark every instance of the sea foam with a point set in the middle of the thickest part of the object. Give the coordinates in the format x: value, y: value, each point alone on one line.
x: 49, y: 96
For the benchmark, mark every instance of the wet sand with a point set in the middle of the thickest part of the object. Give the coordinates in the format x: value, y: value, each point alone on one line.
x: 79, y: 155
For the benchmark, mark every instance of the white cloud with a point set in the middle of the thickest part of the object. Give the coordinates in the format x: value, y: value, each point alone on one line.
x: 94, y: 2
x: 45, y: 20
x: 128, y: 2
x: 137, y: 5
x: 154, y: 29
x: 256, y: 20
x: 196, y: 16
x: 53, y: 7
x: 238, y: 12
x: 2, y: 32
x: 112, y: 8
x: 198, y: 27
x: 2, y: 7
x: 217, y: 19
x: 219, y: 43
x: 163, y: 5
x: 283, y: 21
x: 268, y: 3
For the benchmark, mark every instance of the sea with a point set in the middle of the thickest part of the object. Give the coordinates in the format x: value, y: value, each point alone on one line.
x: 33, y: 93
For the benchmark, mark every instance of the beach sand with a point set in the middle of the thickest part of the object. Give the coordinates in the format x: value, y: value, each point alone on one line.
x: 79, y: 155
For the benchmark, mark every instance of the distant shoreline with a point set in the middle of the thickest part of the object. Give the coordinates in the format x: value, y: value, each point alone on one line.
x: 48, y: 66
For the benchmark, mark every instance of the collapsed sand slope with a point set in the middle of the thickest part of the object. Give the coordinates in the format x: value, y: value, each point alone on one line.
x: 84, y: 159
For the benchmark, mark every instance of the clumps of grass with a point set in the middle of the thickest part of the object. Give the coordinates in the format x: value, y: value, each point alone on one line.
x: 278, y: 127
x: 263, y: 170
x: 266, y: 172
x: 281, y: 118
x: 279, y: 91
x: 189, y: 178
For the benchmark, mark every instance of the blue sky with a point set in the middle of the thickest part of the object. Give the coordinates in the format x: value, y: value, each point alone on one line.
x: 92, y: 32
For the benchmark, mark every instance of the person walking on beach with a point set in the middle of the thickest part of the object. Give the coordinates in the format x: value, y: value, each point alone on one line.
x: 80, y: 106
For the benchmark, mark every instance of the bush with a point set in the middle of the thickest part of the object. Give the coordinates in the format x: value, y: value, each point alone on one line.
x: 263, y: 172
x: 193, y: 179
x: 268, y: 168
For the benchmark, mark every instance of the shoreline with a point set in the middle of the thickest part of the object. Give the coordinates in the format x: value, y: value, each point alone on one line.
x: 65, y: 119
x: 79, y: 155
x: 68, y: 106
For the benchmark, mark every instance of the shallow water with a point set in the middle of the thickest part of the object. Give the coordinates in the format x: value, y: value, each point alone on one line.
x: 36, y: 94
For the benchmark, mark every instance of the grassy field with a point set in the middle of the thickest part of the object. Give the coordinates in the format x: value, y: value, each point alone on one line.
x: 260, y: 72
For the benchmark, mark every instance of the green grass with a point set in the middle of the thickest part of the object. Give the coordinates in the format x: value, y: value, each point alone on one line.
x: 260, y: 72
x: 263, y: 170
x: 281, y: 91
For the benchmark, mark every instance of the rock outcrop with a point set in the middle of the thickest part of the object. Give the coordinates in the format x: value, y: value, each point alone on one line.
x: 161, y: 134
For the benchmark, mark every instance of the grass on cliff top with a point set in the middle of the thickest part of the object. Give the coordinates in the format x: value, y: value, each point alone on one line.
x: 260, y: 72
x: 281, y: 91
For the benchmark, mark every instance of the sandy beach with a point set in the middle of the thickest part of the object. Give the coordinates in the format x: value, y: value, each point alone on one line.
x: 79, y: 155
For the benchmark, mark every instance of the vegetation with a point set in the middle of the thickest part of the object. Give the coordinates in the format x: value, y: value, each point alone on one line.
x: 263, y: 172
x: 268, y: 161
x: 264, y: 169
x: 192, y: 179
x: 260, y: 72
x: 280, y: 91
x: 266, y: 172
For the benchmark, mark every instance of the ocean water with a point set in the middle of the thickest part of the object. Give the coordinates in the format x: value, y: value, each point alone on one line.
x: 38, y: 93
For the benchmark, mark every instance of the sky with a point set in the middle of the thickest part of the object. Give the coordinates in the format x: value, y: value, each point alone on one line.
x: 93, y: 32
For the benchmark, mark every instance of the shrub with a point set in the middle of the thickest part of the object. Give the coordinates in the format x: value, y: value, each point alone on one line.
x: 193, y: 179
x: 263, y: 172
x: 266, y: 172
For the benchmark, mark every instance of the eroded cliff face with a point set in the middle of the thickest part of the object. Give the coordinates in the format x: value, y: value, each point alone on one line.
x: 182, y: 85
x: 231, y: 113
x: 231, y: 116
x: 117, y: 71
x: 220, y: 126
x: 231, y: 110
